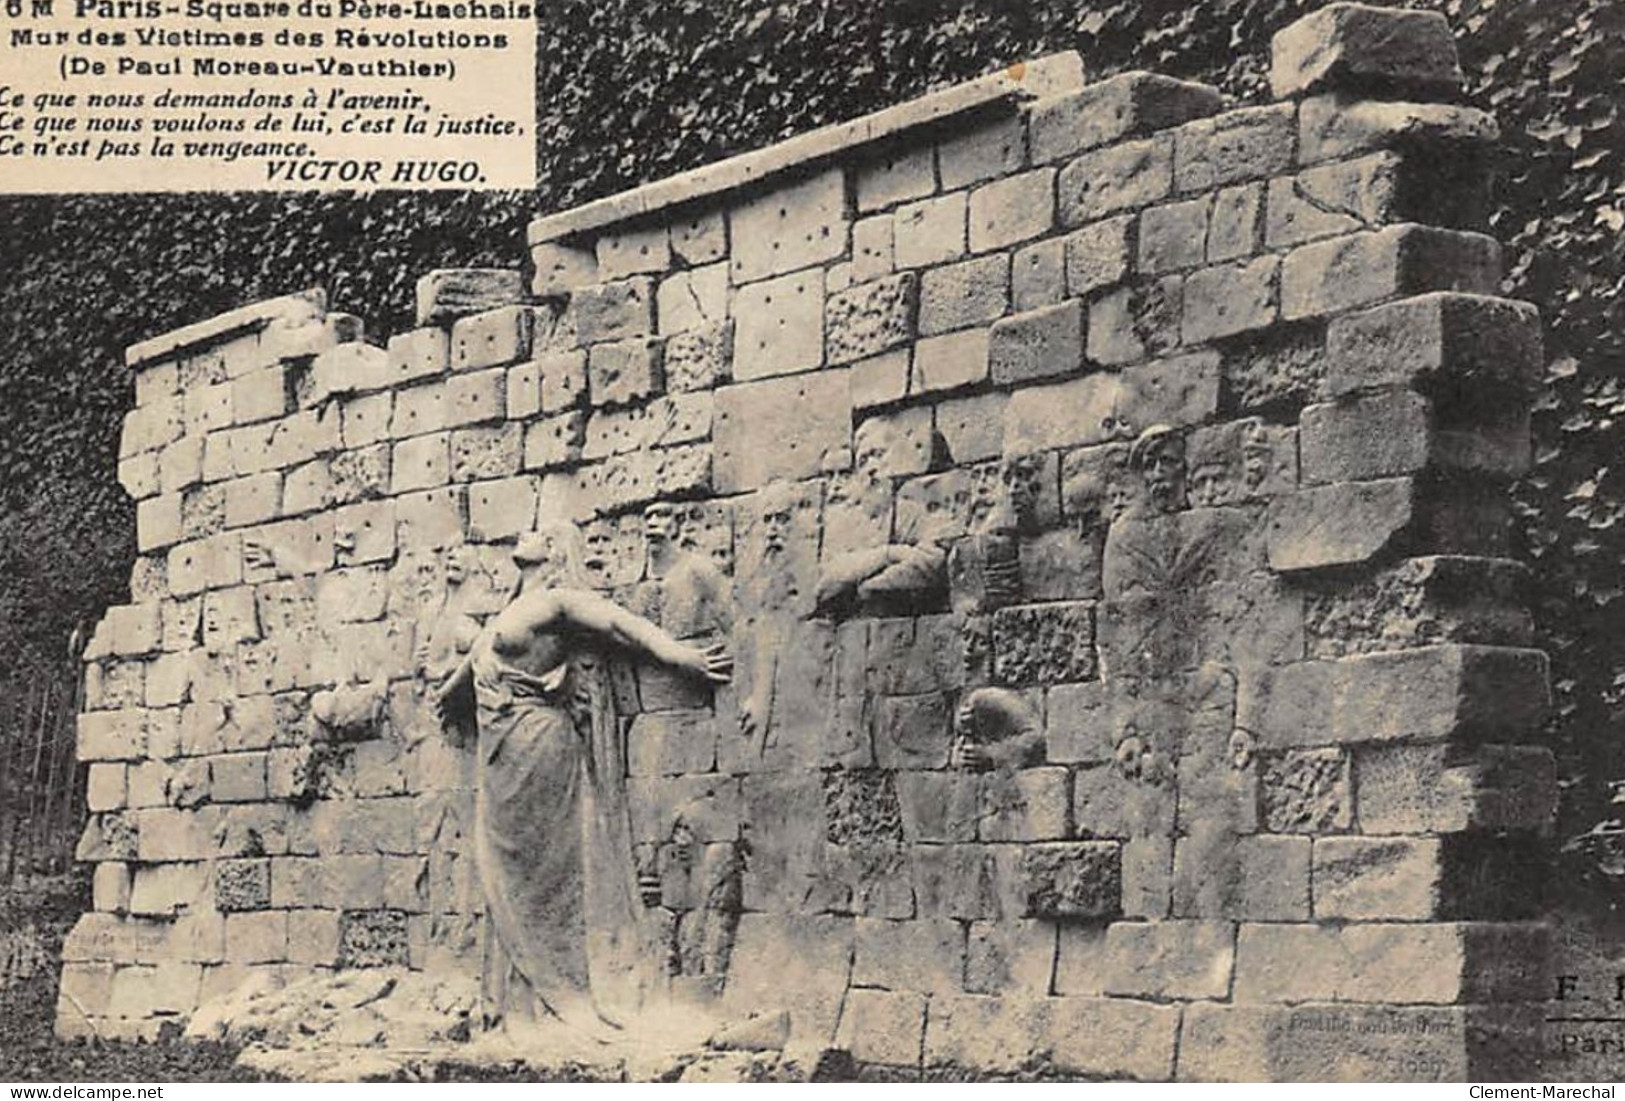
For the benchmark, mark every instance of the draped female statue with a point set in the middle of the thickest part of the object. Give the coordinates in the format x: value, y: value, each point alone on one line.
x: 566, y: 941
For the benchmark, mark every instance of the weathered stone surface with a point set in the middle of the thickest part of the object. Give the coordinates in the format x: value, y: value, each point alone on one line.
x: 1236, y: 222
x: 561, y: 269
x: 1444, y: 789
x: 1102, y: 407
x: 1123, y: 177
x: 1038, y: 275
x: 1082, y: 879
x: 1258, y: 878
x: 493, y: 338
x: 1010, y: 958
x: 868, y: 319
x: 1136, y: 322
x: 1038, y: 344
x: 963, y: 295
x: 692, y: 299
x: 882, y: 1027
x: 613, y: 311
x: 1125, y: 106
x: 1099, y: 255
x: 986, y: 151
x: 633, y: 251
x: 1358, y: 47
x: 445, y: 296
x: 1173, y: 236
x: 1044, y: 643
x: 623, y: 372
x: 1307, y: 791
x: 242, y: 885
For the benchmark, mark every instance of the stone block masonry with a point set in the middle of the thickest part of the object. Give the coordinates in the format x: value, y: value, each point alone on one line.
x: 1100, y: 487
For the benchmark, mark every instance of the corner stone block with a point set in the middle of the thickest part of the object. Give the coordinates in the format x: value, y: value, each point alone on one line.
x: 1445, y: 789
x: 1364, y: 268
x: 1357, y: 47
x: 110, y: 888
x: 445, y: 296
x: 794, y: 227
x: 1130, y: 105
x: 1122, y: 177
x: 1427, y: 878
x: 779, y: 428
x: 112, y: 735
x: 1405, y: 964
x: 1397, y: 432
x: 1038, y: 344
x: 1333, y: 126
x: 1347, y: 523
x: 779, y: 326
x: 1436, y: 342
x: 1170, y: 959
x: 1435, y: 694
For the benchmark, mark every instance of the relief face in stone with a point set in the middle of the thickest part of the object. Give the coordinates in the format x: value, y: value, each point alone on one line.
x: 1158, y: 457
x: 554, y: 844
x: 867, y: 568
x: 693, y: 595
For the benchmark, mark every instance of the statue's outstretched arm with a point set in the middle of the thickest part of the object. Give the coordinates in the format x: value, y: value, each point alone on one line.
x: 609, y: 621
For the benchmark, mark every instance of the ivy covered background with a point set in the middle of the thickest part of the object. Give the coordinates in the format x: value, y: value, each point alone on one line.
x: 633, y: 90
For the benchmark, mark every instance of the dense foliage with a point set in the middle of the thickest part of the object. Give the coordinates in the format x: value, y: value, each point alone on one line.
x: 632, y: 90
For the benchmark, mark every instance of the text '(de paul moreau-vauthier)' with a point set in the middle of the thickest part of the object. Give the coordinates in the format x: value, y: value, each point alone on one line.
x: 190, y: 95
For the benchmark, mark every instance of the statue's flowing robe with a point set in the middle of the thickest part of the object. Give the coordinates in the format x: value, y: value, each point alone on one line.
x: 566, y: 937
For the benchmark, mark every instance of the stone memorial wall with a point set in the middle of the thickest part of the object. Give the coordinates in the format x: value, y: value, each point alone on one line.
x: 1101, y: 491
